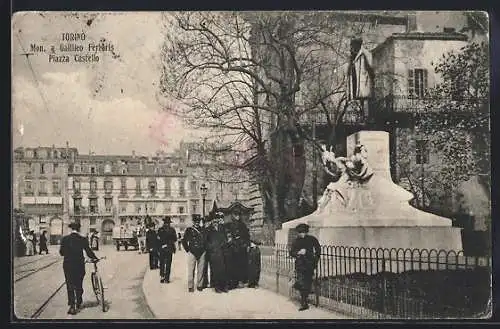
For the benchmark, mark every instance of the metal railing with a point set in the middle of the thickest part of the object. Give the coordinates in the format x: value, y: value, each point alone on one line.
x: 388, y: 283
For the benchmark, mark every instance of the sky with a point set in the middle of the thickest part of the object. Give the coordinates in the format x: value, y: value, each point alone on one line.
x: 106, y: 107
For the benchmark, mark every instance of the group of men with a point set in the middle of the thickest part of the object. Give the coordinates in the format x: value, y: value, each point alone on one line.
x: 219, y: 255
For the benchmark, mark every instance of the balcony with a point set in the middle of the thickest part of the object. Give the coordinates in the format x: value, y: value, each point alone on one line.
x: 409, y: 104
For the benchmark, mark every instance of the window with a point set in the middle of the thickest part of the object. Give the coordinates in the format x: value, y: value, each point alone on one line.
x: 77, y: 169
x: 77, y: 204
x: 152, y: 187
x: 29, y: 168
x: 93, y: 205
x: 108, y: 204
x: 93, y: 186
x: 43, y: 188
x: 92, y: 220
x: 138, y: 187
x: 56, y: 188
x: 107, y: 168
x: 181, y: 210
x: 417, y: 83
x: 123, y: 187
x: 422, y: 151
x: 76, y: 185
x: 42, y: 168
x: 138, y: 208
x: 182, y: 190
x: 194, y: 206
x: 54, y: 168
x: 28, y: 187
x: 168, y: 190
x: 124, y: 209
x: 108, y: 186
x: 182, y: 220
x: 194, y: 188
x: 93, y: 169
x: 35, y: 154
x: 56, y: 154
x: 168, y: 209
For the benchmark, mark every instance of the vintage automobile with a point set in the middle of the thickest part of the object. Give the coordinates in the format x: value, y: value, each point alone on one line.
x: 125, y: 235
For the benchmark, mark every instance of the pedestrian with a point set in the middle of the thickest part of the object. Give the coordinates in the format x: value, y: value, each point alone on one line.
x: 179, y: 241
x: 166, y: 243
x: 94, y: 240
x: 216, y: 240
x: 230, y: 251
x: 241, y: 238
x: 194, y: 242
x: 43, y: 243
x: 30, y: 249
x: 72, y: 247
x: 306, y: 251
x: 152, y: 247
x: 254, y: 265
x: 35, y: 240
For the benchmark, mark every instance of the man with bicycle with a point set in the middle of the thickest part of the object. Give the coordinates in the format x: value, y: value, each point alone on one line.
x: 72, y: 247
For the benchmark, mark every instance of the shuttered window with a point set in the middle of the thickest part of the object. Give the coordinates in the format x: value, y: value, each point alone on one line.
x: 417, y: 83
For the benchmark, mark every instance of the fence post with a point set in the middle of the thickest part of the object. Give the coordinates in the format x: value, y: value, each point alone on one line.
x: 384, y: 287
x: 277, y: 269
x: 317, y: 286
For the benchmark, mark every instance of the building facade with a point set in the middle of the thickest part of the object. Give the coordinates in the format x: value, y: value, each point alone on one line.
x: 40, y: 187
x: 101, y: 191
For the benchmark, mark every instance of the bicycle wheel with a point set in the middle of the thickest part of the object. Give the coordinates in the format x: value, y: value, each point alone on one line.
x: 95, y: 286
x: 103, y: 301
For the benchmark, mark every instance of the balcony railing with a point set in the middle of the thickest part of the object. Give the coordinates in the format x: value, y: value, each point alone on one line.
x: 409, y: 104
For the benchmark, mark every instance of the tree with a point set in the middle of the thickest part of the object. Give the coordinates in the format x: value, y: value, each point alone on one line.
x: 457, y: 122
x: 252, y: 79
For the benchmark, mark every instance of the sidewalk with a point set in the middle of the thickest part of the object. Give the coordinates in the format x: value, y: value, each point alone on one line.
x: 173, y: 301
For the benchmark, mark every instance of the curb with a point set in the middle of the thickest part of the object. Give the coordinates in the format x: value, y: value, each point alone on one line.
x: 146, y: 295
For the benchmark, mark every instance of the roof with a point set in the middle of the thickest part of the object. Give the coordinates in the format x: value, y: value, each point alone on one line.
x: 444, y: 36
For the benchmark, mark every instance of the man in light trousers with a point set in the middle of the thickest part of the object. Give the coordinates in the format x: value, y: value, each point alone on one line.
x: 194, y: 243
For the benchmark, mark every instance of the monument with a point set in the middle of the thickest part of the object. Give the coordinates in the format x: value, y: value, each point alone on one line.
x: 365, y: 208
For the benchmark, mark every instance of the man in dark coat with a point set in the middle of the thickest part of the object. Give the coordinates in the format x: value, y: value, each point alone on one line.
x: 254, y: 265
x: 43, y: 242
x: 306, y: 250
x: 72, y: 247
x: 166, y: 242
x: 152, y: 247
x: 230, y: 250
x: 216, y: 239
x: 241, y: 239
x: 195, y: 242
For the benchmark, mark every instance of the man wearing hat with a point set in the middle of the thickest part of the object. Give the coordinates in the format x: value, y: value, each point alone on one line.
x: 216, y: 240
x: 306, y: 250
x: 194, y: 243
x: 166, y: 242
x: 72, y: 247
x: 152, y: 246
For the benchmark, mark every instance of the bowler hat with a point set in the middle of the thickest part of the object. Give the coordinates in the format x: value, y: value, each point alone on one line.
x: 196, y: 217
x: 302, y: 228
x: 219, y: 215
x: 74, y: 225
x: 167, y: 220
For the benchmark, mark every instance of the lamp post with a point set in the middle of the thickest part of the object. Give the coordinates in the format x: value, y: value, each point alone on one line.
x: 203, y: 190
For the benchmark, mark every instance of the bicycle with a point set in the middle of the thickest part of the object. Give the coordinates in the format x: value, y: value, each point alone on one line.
x: 97, y: 285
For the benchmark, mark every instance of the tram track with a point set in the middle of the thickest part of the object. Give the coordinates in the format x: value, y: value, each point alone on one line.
x: 36, y: 270
x: 42, y: 307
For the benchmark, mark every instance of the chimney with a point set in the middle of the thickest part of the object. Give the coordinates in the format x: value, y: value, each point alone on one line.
x: 411, y: 24
x: 355, y: 47
x: 133, y: 154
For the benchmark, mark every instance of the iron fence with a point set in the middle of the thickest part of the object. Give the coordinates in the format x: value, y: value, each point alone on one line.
x: 388, y: 283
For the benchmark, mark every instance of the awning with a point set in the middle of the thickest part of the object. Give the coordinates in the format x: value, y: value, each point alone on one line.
x: 42, y: 200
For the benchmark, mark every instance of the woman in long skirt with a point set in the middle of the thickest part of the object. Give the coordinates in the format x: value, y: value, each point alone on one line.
x: 30, y: 250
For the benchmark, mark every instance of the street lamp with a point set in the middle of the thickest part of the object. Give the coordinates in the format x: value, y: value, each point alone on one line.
x: 203, y: 190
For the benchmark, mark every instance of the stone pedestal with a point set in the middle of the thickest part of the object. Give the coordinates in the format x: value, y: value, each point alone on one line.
x: 376, y: 214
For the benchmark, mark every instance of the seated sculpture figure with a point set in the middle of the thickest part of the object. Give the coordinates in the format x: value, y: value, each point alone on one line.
x: 354, y: 172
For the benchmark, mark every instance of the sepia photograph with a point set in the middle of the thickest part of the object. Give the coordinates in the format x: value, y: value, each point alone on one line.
x: 255, y: 165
